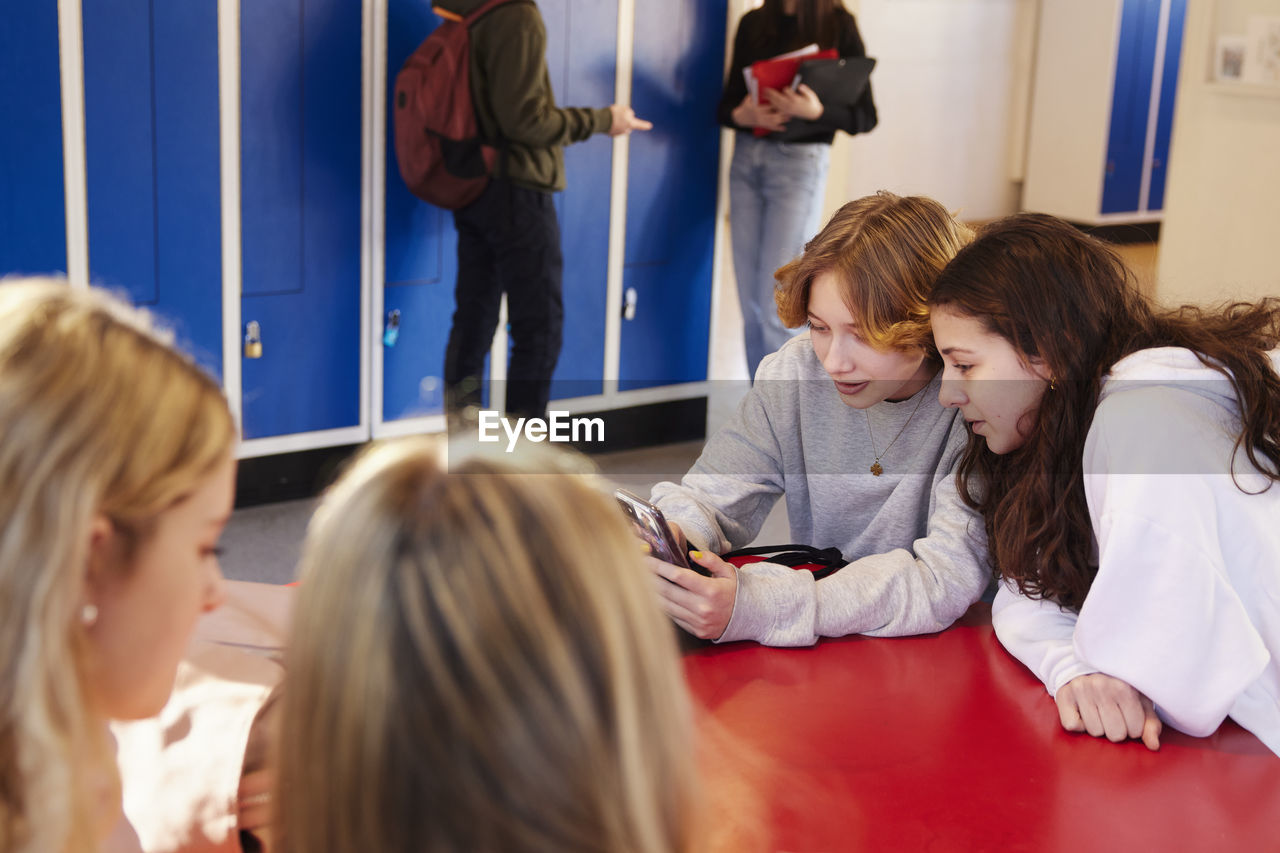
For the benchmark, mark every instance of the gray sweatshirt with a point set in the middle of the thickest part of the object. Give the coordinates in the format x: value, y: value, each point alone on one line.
x: 919, y: 555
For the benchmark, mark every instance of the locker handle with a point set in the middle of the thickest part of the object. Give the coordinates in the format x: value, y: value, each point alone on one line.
x: 629, y: 299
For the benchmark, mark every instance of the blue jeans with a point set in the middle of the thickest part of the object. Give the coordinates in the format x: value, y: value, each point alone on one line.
x: 775, y: 201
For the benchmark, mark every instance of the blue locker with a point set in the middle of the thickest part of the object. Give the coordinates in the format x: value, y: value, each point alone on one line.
x: 151, y: 161
x: 413, y: 368
x: 300, y: 185
x: 671, y: 191
x: 1168, y: 97
x: 1126, y: 143
x: 33, y: 224
x: 582, y: 57
x: 421, y: 254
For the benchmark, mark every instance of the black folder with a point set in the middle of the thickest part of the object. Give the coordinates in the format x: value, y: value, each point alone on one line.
x: 839, y: 82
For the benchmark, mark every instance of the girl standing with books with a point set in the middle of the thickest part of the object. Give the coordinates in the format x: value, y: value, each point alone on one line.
x: 777, y: 179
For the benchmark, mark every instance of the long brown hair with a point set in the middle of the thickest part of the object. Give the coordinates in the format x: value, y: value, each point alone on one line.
x: 886, y: 250
x: 1061, y: 296
x: 815, y: 20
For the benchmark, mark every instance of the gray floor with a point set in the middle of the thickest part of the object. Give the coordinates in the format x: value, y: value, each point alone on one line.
x: 263, y: 543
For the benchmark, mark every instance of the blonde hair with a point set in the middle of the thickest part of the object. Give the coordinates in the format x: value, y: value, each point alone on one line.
x: 98, y: 415
x: 478, y: 663
x: 886, y: 251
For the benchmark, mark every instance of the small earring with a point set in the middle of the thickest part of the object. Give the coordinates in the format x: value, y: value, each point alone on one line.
x: 1053, y: 384
x: 89, y: 615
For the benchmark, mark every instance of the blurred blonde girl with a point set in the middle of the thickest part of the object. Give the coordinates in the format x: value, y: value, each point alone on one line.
x: 116, y: 460
x: 477, y: 663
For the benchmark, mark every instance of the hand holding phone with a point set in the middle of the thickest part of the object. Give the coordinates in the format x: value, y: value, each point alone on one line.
x: 651, y: 526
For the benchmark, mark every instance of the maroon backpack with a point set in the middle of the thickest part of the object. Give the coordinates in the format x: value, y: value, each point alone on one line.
x: 441, y: 156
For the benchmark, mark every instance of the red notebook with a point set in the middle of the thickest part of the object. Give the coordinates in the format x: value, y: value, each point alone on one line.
x: 780, y: 72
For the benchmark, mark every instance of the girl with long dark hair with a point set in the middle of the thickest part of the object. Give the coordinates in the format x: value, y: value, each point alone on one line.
x: 1124, y: 459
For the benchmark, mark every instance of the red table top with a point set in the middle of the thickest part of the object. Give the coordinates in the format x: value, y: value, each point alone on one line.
x: 946, y: 742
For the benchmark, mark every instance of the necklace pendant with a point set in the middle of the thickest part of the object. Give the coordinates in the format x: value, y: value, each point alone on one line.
x: 876, y: 469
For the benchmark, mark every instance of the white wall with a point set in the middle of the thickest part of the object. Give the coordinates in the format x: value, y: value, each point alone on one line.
x: 951, y: 87
x: 727, y: 360
x: 1222, y: 205
x: 1069, y: 119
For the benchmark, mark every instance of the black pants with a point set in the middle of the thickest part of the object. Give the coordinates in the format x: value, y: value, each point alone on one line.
x: 508, y: 242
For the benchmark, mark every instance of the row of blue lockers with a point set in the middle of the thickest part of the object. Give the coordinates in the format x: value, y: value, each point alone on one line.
x: 151, y: 117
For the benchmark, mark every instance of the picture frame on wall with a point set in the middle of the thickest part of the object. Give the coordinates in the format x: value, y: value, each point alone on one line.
x: 1230, y: 58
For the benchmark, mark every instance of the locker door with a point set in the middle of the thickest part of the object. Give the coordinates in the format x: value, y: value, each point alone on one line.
x: 33, y: 225
x: 421, y: 254
x: 151, y: 161
x: 1168, y: 96
x: 1130, y: 104
x: 671, y: 191
x: 300, y: 190
x: 582, y: 37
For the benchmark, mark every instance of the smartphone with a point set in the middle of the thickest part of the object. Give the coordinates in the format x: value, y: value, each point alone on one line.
x: 652, y: 527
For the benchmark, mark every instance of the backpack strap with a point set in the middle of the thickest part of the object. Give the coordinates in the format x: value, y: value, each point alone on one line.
x: 500, y: 167
x: 792, y: 555
x: 482, y: 10
x: 819, y: 561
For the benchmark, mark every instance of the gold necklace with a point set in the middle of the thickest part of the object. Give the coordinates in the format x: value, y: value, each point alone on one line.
x: 876, y: 469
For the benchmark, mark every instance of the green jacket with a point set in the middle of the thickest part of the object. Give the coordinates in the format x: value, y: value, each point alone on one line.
x: 515, y: 105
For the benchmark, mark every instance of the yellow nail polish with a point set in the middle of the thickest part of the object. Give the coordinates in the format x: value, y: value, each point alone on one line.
x: 697, y: 555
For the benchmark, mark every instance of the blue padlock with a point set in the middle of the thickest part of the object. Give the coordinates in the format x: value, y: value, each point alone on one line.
x: 392, y: 332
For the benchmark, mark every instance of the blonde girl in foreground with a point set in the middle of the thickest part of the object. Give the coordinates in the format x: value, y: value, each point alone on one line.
x: 478, y: 663
x: 118, y: 476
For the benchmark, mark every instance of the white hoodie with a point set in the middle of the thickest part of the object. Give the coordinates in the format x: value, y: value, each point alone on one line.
x: 1186, y: 603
